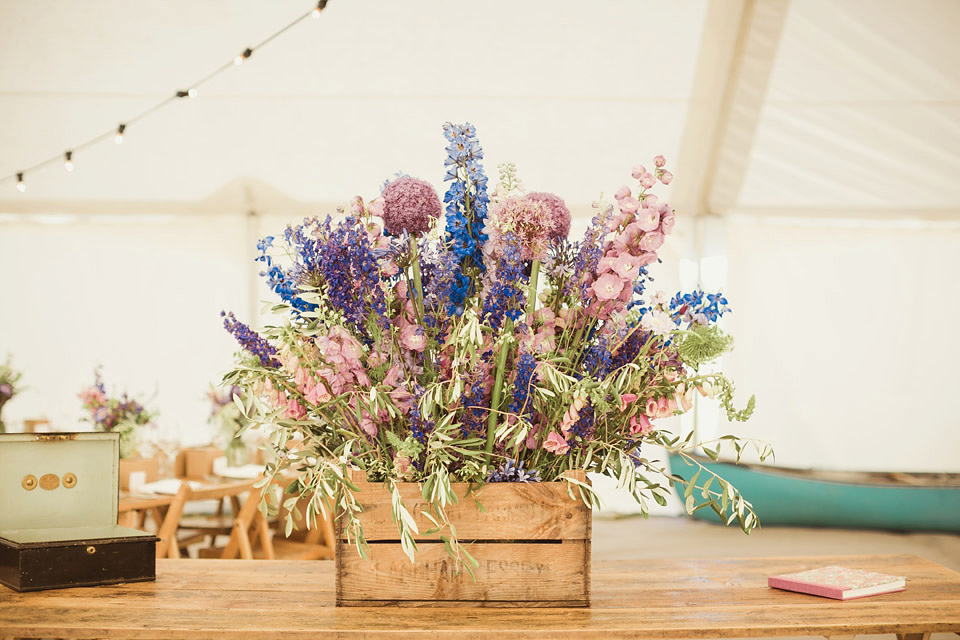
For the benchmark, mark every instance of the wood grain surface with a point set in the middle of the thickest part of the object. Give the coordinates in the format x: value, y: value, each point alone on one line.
x: 640, y: 598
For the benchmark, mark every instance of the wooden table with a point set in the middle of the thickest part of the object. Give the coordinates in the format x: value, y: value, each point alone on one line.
x: 656, y: 598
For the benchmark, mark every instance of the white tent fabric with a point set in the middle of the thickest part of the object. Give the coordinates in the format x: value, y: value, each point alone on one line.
x: 815, y: 146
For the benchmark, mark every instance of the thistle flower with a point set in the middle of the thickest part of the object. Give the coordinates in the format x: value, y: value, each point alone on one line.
x: 408, y: 205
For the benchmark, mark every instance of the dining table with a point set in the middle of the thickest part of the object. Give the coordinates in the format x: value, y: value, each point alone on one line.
x: 631, y: 598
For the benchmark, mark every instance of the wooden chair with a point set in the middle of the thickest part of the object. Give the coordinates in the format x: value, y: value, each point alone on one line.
x: 252, y: 537
x: 170, y: 543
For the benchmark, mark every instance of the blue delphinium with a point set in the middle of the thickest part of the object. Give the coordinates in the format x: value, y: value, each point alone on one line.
x: 466, y: 205
x: 511, y: 471
x: 697, y: 307
x: 250, y: 340
x: 522, y: 403
x: 350, y: 272
x: 508, y: 294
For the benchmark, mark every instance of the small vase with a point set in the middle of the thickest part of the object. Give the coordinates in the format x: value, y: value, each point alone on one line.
x: 236, y: 453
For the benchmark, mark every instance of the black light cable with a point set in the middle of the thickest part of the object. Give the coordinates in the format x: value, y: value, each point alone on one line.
x: 191, y: 92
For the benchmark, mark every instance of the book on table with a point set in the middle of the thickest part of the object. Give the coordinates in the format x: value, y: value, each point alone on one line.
x: 840, y: 583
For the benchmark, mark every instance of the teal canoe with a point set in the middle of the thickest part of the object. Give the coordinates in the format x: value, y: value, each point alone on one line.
x: 853, y: 500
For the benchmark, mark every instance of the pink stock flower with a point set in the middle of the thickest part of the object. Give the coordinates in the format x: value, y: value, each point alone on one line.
x: 409, y: 205
x: 607, y: 287
x: 413, y: 338
x: 556, y: 444
x: 651, y: 241
x: 629, y: 204
x: 667, y: 221
x: 640, y: 425
x: 659, y: 161
x: 649, y: 219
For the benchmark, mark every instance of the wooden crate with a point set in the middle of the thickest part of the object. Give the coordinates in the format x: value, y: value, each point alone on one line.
x: 532, y: 543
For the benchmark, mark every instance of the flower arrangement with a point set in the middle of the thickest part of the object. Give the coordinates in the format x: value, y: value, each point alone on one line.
x: 473, y: 341
x: 9, y: 378
x: 122, y: 415
x: 231, y: 424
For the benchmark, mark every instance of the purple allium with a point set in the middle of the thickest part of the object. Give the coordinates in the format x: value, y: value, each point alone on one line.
x: 529, y: 223
x: 558, y: 215
x: 408, y: 205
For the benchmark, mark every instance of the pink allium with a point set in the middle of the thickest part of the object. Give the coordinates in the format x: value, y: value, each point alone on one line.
x: 666, y: 177
x: 557, y: 212
x: 408, y: 205
x: 528, y: 221
x: 659, y: 161
x: 556, y: 444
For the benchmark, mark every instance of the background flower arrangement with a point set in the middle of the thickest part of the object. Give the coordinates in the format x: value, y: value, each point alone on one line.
x: 232, y: 425
x: 479, y: 346
x: 9, y: 379
x: 122, y: 415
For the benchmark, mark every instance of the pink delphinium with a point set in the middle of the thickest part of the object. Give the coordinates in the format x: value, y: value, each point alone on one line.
x: 409, y: 204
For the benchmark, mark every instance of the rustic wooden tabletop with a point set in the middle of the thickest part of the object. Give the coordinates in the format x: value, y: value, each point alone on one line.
x: 649, y: 598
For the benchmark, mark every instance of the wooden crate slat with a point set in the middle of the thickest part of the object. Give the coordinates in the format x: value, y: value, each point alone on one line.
x: 510, y: 574
x: 514, y: 511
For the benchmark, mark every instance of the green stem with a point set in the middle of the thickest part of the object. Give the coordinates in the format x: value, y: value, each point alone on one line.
x: 497, y: 388
x: 532, y: 290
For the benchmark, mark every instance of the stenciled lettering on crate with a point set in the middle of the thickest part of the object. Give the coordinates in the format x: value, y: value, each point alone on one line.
x: 531, y: 540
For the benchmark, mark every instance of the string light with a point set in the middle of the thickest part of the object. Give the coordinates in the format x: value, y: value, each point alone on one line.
x: 243, y: 56
x: 188, y: 93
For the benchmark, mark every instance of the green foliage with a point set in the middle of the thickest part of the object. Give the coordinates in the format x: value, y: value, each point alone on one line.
x: 703, y: 343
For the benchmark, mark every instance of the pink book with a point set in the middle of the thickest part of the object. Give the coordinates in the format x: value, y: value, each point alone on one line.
x: 840, y: 583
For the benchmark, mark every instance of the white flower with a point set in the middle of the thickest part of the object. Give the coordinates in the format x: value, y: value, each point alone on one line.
x: 659, y: 299
x: 659, y: 322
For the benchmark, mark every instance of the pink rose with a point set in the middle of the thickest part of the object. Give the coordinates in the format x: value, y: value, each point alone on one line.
x: 556, y: 444
x: 607, y: 287
x: 640, y: 425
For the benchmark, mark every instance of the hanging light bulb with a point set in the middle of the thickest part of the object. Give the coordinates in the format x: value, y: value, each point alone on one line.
x: 120, y: 130
x: 320, y: 7
x: 21, y: 185
x: 243, y: 56
x: 192, y: 93
x: 68, y: 161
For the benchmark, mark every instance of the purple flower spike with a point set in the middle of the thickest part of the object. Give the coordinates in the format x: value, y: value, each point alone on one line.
x: 408, y: 205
